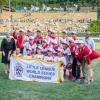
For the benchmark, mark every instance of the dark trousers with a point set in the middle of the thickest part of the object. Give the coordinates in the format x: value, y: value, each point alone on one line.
x: 78, y: 72
x: 74, y: 64
x: 21, y: 50
x: 75, y: 69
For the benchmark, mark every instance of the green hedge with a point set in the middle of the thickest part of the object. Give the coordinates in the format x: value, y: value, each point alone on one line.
x: 94, y: 27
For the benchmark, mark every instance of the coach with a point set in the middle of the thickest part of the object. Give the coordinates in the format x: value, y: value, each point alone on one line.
x: 89, y: 41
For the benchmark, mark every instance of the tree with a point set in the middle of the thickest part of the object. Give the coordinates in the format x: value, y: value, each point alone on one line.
x: 94, y: 26
x: 97, y: 1
x: 2, y: 2
x: 50, y: 3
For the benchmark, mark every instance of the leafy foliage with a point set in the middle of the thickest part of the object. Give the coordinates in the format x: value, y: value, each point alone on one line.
x: 3, y: 2
x: 56, y: 3
x: 94, y: 26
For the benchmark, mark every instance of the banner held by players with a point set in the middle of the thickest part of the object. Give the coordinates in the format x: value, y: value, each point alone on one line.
x: 34, y: 70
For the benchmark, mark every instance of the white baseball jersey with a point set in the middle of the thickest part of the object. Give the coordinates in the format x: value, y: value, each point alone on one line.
x: 74, y: 40
x: 48, y: 38
x: 67, y: 55
x: 55, y: 40
x: 39, y: 56
x: 26, y: 38
x: 67, y: 51
x: 62, y: 59
x: 27, y: 56
x: 51, y: 40
x: 45, y: 47
x: 49, y: 59
x: 61, y: 39
x: 28, y: 45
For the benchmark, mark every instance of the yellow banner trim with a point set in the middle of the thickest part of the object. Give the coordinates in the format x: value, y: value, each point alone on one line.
x: 58, y: 63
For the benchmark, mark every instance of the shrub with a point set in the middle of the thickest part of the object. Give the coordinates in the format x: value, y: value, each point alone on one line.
x: 94, y: 26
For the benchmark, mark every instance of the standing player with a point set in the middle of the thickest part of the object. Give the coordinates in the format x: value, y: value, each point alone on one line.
x: 48, y: 38
x: 38, y: 37
x: 27, y: 36
x: 74, y: 36
x: 29, y: 44
x: 20, y: 39
x: 53, y: 38
x: 64, y: 37
x: 62, y: 59
x: 74, y: 53
x: 45, y: 46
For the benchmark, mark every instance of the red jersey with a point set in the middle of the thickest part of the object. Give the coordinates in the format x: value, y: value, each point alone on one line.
x: 37, y: 38
x: 46, y: 46
x: 78, y: 54
x: 19, y: 39
x: 89, y: 53
x: 74, y: 50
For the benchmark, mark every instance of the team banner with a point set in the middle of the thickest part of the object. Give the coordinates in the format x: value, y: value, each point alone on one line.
x: 34, y: 70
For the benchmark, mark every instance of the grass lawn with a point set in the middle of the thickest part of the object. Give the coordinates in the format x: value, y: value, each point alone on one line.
x: 98, y: 45
x: 68, y: 90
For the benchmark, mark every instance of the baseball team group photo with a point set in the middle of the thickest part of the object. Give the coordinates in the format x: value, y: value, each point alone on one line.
x: 49, y: 50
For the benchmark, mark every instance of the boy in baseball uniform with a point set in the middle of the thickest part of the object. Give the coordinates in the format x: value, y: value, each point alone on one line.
x: 39, y: 53
x: 49, y: 57
x: 62, y: 59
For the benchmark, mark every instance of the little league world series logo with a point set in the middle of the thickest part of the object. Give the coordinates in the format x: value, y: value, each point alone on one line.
x: 18, y: 70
